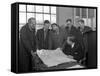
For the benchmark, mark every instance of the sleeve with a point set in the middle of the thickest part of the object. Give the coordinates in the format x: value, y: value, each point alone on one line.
x: 50, y: 41
x: 25, y: 41
x: 87, y: 29
x: 65, y: 35
x: 78, y: 52
x: 38, y: 40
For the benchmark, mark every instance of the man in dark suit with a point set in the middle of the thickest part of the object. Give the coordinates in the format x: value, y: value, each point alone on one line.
x: 85, y: 30
x: 74, y: 45
x: 74, y: 49
x: 82, y: 27
x: 73, y: 31
x: 27, y: 44
x: 43, y: 36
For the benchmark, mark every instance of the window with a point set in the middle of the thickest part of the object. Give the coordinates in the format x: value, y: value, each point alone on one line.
x: 39, y: 9
x: 22, y: 18
x: 29, y: 15
x: 87, y: 14
x: 22, y: 8
x: 53, y: 18
x: 53, y: 10
x: 84, y: 15
x: 90, y: 13
x: 39, y: 18
x: 40, y: 12
x: 47, y: 17
x: 30, y: 8
x: 46, y: 9
x: 77, y: 11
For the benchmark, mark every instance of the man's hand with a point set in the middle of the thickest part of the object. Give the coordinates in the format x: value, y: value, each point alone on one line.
x: 33, y: 53
x: 69, y: 56
x: 58, y: 49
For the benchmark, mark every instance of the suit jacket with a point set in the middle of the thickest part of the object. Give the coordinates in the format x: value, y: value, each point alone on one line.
x: 77, y: 52
x: 77, y: 34
x: 27, y: 43
x: 28, y: 38
x: 86, y: 29
x: 57, y: 40
x: 42, y: 39
x: 85, y: 32
x: 91, y: 61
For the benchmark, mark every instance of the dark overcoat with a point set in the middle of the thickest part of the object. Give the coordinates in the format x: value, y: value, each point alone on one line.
x: 42, y: 39
x: 78, y: 51
x: 27, y: 42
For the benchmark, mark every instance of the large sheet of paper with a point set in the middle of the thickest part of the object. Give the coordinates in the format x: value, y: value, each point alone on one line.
x: 75, y: 66
x: 53, y: 57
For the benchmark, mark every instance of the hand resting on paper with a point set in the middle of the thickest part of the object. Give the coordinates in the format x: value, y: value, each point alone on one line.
x: 71, y: 57
x: 58, y: 49
x: 33, y: 53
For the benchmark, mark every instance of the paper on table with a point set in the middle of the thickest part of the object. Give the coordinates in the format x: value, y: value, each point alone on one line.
x: 75, y: 66
x: 53, y: 57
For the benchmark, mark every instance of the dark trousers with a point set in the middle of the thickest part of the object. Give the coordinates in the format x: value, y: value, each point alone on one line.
x: 24, y: 60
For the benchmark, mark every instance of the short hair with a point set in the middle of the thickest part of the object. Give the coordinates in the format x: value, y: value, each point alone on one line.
x: 82, y: 21
x: 32, y: 18
x: 46, y: 21
x: 68, y: 20
x: 54, y: 24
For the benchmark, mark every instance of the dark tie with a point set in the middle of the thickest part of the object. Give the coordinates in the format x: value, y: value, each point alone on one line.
x: 45, y: 32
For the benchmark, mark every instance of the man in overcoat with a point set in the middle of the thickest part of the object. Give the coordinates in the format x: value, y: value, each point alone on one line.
x: 27, y: 45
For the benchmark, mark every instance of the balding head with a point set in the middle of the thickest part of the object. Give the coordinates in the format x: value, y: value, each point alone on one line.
x: 30, y: 19
x: 32, y: 22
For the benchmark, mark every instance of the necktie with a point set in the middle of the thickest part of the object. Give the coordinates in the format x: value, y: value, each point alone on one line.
x: 45, y: 34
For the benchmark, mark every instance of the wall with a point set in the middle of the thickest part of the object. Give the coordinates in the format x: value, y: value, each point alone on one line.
x: 64, y: 13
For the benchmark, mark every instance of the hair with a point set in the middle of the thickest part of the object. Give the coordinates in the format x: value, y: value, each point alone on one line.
x: 68, y: 20
x: 82, y: 21
x: 46, y: 21
x: 54, y: 24
x: 29, y: 20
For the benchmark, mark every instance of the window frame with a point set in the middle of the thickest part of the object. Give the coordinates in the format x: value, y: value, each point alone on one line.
x: 26, y: 11
x: 87, y: 18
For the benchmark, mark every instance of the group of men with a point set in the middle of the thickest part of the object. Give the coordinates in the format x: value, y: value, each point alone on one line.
x: 71, y: 40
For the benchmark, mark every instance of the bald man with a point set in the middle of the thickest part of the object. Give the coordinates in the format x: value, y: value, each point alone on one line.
x: 27, y: 44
